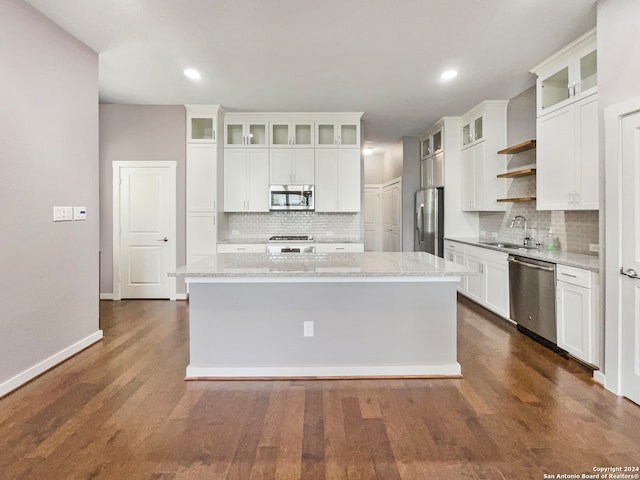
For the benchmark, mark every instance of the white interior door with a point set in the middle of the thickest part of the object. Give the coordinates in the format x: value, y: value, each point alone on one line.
x: 630, y: 256
x: 145, y: 224
x: 372, y: 218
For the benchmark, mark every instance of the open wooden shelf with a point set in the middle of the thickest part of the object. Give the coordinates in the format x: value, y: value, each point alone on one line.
x: 517, y: 199
x: 521, y: 147
x: 525, y: 172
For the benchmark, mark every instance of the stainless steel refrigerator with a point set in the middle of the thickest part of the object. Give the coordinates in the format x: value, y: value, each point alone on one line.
x: 429, y: 221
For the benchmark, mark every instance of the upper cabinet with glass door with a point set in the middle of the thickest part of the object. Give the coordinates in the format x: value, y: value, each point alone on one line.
x: 568, y: 76
x: 338, y: 131
x: 289, y: 132
x: 472, y: 128
x: 432, y: 141
x: 245, y: 131
x: 202, y: 122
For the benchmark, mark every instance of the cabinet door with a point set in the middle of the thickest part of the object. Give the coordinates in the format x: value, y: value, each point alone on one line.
x: 467, y: 179
x: 555, y: 160
x: 437, y: 170
x: 587, y: 164
x: 459, y: 259
x: 280, y: 134
x: 201, y: 129
x: 257, y: 180
x: 201, y: 178
x: 349, y: 191
x: 425, y: 147
x: 554, y: 89
x: 588, y: 72
x: 479, y: 177
x: 257, y: 134
x: 201, y: 235
x: 234, y: 134
x: 574, y: 320
x: 280, y: 166
x: 302, y: 134
x: 349, y: 134
x: 303, y: 166
x: 235, y: 180
x: 426, y: 172
x: 496, y: 288
x: 326, y: 134
x: 474, y: 284
x: 326, y: 192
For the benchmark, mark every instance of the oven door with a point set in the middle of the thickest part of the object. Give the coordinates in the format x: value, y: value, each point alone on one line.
x: 291, y: 197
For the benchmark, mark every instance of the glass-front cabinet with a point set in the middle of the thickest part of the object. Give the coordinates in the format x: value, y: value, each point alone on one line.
x: 333, y: 134
x: 432, y: 141
x: 568, y: 76
x: 292, y: 134
x: 472, y: 129
x: 201, y: 124
x: 246, y: 133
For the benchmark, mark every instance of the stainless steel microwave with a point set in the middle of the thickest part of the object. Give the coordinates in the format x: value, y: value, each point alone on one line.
x: 291, y: 197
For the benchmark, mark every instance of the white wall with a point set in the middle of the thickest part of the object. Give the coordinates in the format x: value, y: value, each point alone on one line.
x: 49, y: 152
x: 618, y: 80
x: 374, y: 169
x: 139, y: 133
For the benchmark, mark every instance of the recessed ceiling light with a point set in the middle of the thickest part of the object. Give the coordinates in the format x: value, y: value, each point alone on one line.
x: 449, y: 74
x: 192, y: 73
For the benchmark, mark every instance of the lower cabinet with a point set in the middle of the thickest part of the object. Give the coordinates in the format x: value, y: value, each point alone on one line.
x: 490, y: 287
x: 577, y: 312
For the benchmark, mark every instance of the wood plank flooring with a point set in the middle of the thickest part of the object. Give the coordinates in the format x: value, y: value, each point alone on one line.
x: 122, y: 410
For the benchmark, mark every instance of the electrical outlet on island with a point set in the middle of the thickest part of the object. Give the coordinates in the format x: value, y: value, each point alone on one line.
x: 594, y: 247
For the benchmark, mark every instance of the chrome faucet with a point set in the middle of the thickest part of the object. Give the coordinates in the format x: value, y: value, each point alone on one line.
x: 521, y: 217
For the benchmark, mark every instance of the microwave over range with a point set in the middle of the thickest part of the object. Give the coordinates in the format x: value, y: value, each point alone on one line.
x: 291, y: 197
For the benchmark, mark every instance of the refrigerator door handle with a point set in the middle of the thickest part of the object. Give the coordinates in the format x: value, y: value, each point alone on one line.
x: 420, y: 223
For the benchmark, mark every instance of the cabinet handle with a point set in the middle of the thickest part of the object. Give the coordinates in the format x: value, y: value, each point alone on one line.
x: 577, y: 199
x: 568, y: 275
x: 570, y: 199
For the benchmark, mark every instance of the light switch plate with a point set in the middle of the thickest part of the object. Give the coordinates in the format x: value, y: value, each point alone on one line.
x: 594, y: 247
x: 308, y: 329
x: 79, y: 213
x: 62, y: 214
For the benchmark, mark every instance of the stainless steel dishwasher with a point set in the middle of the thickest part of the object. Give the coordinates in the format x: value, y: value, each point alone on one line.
x: 532, y: 296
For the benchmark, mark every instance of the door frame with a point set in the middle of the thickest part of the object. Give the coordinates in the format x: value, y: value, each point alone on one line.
x: 613, y: 116
x: 117, y: 166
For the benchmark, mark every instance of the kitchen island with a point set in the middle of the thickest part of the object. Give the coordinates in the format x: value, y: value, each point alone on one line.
x: 335, y: 315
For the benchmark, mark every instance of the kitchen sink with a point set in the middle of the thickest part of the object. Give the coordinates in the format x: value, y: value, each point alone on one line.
x: 516, y: 246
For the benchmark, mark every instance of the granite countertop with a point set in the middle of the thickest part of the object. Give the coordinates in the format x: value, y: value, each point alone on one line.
x: 579, y: 260
x: 367, y: 264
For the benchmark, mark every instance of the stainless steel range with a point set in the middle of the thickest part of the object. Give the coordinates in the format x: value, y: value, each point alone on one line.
x: 291, y: 244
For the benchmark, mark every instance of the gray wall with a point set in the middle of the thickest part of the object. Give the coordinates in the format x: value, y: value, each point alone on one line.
x: 410, y: 185
x: 139, y: 133
x: 49, y: 155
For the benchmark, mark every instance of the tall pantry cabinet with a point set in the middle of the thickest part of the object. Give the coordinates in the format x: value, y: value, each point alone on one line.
x: 203, y: 179
x: 567, y: 124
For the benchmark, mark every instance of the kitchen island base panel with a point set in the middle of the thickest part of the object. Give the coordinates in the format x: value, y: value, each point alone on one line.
x: 360, y: 329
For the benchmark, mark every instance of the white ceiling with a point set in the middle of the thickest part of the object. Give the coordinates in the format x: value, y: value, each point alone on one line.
x: 381, y: 57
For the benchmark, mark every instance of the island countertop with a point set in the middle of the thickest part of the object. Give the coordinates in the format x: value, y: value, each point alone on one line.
x: 411, y: 265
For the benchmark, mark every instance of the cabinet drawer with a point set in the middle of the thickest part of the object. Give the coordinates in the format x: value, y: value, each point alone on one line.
x: 242, y: 248
x: 455, y: 246
x: 339, y: 247
x: 574, y: 276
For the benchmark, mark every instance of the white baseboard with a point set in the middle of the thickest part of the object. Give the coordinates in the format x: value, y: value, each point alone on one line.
x: 52, y: 361
x: 450, y: 370
x: 182, y: 296
x: 106, y: 296
x: 598, y: 376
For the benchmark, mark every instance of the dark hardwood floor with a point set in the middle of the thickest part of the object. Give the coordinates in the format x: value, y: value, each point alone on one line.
x: 122, y: 410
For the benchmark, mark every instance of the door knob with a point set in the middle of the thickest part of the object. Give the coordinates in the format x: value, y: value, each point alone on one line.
x: 630, y: 272
x: 165, y: 239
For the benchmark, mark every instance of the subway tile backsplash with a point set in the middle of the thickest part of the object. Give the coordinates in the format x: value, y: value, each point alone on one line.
x: 323, y: 226
x: 576, y: 230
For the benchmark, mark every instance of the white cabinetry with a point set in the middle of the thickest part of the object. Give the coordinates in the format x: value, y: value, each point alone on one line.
x: 577, y: 312
x: 568, y: 75
x: 246, y: 180
x: 339, y: 247
x: 289, y: 166
x: 480, y: 162
x: 454, y: 252
x: 338, y: 180
x: 567, y: 124
x: 567, y: 163
x: 431, y: 147
x: 341, y: 131
x: 203, y: 177
x: 242, y: 248
x: 490, y: 287
x: 292, y: 133
x: 243, y: 131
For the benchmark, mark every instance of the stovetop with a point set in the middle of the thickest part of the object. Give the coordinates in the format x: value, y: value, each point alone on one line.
x: 291, y: 238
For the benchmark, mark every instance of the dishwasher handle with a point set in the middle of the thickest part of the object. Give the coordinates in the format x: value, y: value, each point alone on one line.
x: 531, y: 265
